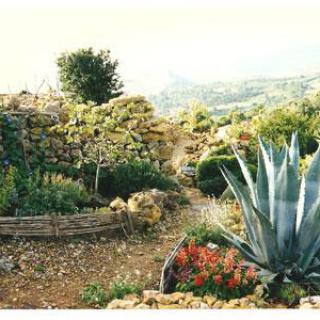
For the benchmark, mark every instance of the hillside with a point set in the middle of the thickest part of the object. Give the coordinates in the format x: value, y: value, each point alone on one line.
x: 220, y: 97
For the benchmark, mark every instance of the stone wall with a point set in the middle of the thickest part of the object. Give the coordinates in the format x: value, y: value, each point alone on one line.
x: 35, y: 137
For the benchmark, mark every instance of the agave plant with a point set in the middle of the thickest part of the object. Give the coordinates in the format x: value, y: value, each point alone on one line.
x: 281, y: 214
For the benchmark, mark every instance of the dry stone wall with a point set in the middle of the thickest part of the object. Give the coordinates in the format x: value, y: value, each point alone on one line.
x: 35, y: 137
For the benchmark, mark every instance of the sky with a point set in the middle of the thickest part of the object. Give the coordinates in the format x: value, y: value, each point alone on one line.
x: 201, y: 40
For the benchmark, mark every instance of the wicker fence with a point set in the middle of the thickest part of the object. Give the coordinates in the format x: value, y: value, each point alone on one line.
x: 59, y: 226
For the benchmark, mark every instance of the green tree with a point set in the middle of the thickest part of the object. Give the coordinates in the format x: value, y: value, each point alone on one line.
x: 89, y: 76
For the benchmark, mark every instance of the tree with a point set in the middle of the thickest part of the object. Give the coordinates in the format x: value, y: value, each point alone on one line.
x: 89, y: 76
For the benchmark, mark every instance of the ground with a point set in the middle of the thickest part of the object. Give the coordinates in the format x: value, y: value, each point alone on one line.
x: 51, y: 273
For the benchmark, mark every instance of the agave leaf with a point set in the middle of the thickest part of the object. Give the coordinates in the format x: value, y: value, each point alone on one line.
x: 262, y: 185
x: 285, y: 202
x: 294, y: 152
x: 247, y: 176
x: 243, y: 247
x: 312, y: 191
x: 300, y: 208
x: 246, y: 204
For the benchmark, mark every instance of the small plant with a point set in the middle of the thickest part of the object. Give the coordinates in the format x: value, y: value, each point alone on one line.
x: 7, y: 190
x: 183, y: 201
x: 288, y: 293
x: 158, y: 258
x: 120, y: 288
x: 202, y: 271
x: 39, y: 268
x: 93, y: 294
x: 138, y: 175
x: 52, y: 193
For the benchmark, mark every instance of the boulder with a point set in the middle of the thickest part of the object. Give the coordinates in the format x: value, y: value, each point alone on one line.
x: 6, y: 264
x: 166, y: 151
x: 167, y: 168
x: 52, y: 106
x: 118, y: 205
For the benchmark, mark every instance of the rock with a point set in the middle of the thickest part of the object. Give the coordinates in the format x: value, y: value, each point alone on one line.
x: 171, y: 306
x: 53, y: 106
x: 143, y: 209
x: 6, y: 264
x: 210, y: 300
x: 166, y: 151
x: 175, y: 297
x: 167, y: 168
x: 310, y: 299
x: 121, y: 304
x: 212, y: 246
x: 136, y: 137
x: 219, y: 304
x: 184, y: 180
x: 142, y: 306
x: 149, y: 296
x: 119, y: 205
x: 164, y: 298
x: 132, y: 297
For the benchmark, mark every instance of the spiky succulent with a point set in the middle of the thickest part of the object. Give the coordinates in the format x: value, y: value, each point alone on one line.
x: 281, y: 214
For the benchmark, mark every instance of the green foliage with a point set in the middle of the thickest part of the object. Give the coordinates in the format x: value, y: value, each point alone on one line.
x: 120, y: 288
x: 89, y: 76
x: 7, y: 190
x: 209, y: 178
x: 52, y: 194
x: 139, y: 175
x: 287, y: 293
x: 281, y: 214
x: 93, y: 294
x: 278, y: 124
x: 197, y: 118
x: 203, y: 233
x: 182, y: 200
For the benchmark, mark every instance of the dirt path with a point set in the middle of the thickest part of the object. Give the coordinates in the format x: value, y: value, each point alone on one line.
x: 50, y: 274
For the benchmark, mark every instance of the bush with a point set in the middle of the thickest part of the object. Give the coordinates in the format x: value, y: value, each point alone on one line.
x: 209, y: 177
x: 120, y: 288
x: 89, y: 76
x: 52, y: 193
x: 218, y: 273
x: 139, y: 175
x: 93, y: 294
x: 7, y: 190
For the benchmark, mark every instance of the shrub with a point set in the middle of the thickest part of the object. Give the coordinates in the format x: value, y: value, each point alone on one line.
x: 288, y: 293
x: 52, y: 194
x: 183, y: 200
x: 7, y: 190
x: 204, y: 272
x: 89, y: 76
x: 120, y: 288
x: 93, y: 294
x: 139, y: 175
x: 209, y: 178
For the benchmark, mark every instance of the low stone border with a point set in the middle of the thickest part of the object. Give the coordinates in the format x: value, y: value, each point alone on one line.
x: 152, y: 299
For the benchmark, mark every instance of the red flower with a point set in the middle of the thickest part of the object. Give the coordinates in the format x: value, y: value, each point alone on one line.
x: 231, y: 283
x: 198, y: 281
x: 218, y: 280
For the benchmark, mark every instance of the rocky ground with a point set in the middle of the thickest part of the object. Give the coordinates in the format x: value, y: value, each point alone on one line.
x: 51, y: 273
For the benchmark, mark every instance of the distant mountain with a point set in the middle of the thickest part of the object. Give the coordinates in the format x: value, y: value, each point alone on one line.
x: 221, y: 97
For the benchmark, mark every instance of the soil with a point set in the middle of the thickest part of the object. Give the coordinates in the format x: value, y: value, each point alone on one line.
x: 51, y: 273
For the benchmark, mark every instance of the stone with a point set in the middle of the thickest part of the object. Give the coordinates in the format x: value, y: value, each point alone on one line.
x: 185, y: 181
x: 53, y: 106
x: 166, y: 151
x: 121, y: 304
x: 164, y: 298
x: 6, y: 264
x: 171, y: 306
x: 167, y: 168
x: 132, y: 297
x: 142, y: 306
x: 310, y: 299
x: 212, y: 246
x: 115, y: 137
x: 119, y: 205
x: 219, y: 304
x: 210, y: 300
x: 136, y: 137
x: 149, y: 296
x: 175, y: 297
